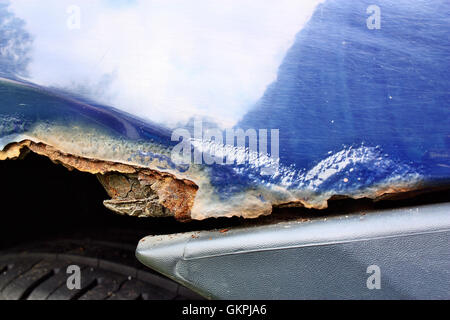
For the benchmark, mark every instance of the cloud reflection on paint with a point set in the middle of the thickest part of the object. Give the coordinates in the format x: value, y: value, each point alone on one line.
x: 169, y: 60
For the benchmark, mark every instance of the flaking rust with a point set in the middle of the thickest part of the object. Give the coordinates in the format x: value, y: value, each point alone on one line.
x: 143, y: 192
x: 134, y: 190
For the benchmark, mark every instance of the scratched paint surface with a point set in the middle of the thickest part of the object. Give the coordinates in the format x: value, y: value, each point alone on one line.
x: 360, y: 112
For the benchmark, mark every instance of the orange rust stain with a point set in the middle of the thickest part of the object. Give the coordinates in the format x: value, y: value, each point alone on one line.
x: 175, y: 194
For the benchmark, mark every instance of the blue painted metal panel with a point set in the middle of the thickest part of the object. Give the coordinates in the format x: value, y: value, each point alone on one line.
x: 360, y: 112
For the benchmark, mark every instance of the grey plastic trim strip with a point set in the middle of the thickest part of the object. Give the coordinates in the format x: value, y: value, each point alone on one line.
x: 283, y: 260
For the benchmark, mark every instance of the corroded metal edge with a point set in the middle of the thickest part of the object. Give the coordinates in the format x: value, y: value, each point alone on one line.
x: 135, y: 191
x: 143, y: 192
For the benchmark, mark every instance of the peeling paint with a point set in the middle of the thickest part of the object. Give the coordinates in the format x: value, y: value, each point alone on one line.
x: 143, y: 192
x: 352, y: 121
x: 132, y: 159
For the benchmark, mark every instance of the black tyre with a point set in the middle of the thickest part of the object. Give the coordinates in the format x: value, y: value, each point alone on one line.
x: 107, y: 271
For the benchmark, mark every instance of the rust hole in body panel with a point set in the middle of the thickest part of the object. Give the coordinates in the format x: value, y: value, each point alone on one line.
x: 142, y: 192
x: 134, y: 191
x: 43, y: 201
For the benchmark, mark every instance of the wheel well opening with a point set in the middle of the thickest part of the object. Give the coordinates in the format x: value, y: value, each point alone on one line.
x: 44, y: 200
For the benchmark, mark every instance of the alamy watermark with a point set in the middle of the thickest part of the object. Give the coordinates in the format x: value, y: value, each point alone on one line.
x: 373, y: 22
x: 74, y: 279
x: 74, y: 18
x: 374, y: 280
x: 227, y: 147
